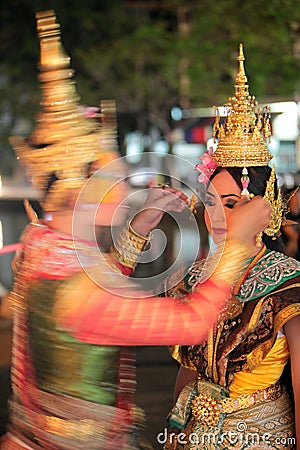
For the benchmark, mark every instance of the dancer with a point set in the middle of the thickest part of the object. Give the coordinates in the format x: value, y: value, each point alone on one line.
x: 228, y: 393
x: 74, y: 311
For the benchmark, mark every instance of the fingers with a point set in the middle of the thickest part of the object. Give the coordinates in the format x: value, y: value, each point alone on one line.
x: 165, y: 196
x: 243, y: 201
x: 160, y: 199
x: 175, y: 200
x: 262, y: 209
x: 249, y: 218
x: 178, y: 193
x: 257, y: 203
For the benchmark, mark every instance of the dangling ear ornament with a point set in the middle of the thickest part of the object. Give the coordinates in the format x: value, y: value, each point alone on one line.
x: 245, y: 182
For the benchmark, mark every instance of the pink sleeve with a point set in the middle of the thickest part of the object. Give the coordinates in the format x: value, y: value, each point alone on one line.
x: 112, y: 319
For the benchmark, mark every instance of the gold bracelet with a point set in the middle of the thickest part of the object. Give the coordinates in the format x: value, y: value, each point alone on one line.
x: 136, y: 234
x: 124, y: 258
x: 128, y: 247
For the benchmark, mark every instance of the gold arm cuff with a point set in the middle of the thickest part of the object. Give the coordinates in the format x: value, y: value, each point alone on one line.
x: 136, y: 234
x: 128, y: 247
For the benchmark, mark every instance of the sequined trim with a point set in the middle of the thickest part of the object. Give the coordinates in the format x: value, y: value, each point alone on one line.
x: 286, y: 314
x: 272, y: 270
x: 195, y: 273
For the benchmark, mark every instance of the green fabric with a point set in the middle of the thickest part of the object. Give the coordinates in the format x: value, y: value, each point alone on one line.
x: 270, y: 272
x: 62, y: 364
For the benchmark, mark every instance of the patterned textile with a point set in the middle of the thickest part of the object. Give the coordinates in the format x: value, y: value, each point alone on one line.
x: 79, y: 424
x: 241, y: 343
x: 11, y: 441
x: 69, y: 356
x: 264, y: 299
x: 268, y: 425
x: 245, y: 335
x: 59, y: 401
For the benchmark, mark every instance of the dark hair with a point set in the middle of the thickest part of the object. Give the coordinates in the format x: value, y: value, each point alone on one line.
x: 51, y: 180
x: 257, y: 186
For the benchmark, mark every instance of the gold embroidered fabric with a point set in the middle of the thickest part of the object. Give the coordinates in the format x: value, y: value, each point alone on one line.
x: 242, y: 341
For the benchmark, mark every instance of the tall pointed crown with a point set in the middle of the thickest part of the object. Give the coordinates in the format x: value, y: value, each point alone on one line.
x: 242, y: 139
x: 65, y: 139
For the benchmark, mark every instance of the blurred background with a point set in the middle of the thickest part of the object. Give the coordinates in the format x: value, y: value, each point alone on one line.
x: 166, y: 63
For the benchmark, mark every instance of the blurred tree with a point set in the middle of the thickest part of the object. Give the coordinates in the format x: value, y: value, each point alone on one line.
x: 149, y: 56
x: 269, y: 31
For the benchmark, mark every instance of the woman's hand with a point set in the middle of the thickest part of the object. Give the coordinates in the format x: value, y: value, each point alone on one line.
x: 248, y: 218
x: 159, y: 201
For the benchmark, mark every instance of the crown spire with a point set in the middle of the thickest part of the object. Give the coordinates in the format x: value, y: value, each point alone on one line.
x: 242, y: 139
x: 64, y: 140
x: 241, y: 72
x: 242, y: 142
x: 51, y: 51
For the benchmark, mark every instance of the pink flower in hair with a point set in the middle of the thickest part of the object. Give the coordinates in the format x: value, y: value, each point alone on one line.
x: 89, y: 111
x: 207, y: 166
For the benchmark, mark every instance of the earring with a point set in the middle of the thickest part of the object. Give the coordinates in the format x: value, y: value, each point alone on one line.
x: 245, y: 182
x: 192, y: 203
x: 258, y: 240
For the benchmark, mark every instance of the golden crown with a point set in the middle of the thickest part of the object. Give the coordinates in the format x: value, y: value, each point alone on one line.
x: 242, y: 139
x: 65, y: 139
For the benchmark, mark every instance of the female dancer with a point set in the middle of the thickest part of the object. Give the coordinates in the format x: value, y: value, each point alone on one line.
x: 228, y: 392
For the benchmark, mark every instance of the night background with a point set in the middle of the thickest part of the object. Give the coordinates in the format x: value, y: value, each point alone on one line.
x: 151, y: 56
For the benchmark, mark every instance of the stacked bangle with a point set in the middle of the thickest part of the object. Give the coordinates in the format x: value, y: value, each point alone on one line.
x: 136, y: 234
x: 129, y: 245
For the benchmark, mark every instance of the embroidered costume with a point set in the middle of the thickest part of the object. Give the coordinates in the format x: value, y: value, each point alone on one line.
x: 68, y: 375
x: 237, y: 400
x: 241, y: 363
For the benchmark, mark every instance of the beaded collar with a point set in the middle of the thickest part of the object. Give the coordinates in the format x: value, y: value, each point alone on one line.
x: 269, y: 272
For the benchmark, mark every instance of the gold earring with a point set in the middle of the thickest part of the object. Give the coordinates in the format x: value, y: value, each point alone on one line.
x: 192, y: 204
x: 258, y: 240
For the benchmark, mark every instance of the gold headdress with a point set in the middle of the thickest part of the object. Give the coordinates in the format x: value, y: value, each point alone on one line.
x: 242, y: 142
x: 65, y: 139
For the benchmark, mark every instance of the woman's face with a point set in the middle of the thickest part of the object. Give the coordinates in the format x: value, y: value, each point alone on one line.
x: 221, y: 196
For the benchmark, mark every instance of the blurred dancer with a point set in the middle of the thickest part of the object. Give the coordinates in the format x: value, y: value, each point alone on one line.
x: 74, y: 312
